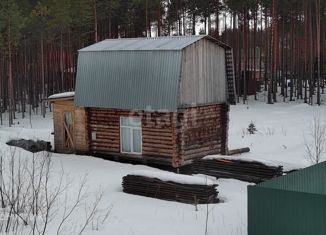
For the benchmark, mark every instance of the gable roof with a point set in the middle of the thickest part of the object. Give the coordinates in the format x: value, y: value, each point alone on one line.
x: 140, y: 73
x: 148, y: 44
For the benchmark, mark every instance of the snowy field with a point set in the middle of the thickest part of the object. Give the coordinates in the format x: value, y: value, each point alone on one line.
x: 279, y: 139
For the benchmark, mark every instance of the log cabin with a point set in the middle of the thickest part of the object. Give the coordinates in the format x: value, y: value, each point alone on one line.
x: 158, y: 100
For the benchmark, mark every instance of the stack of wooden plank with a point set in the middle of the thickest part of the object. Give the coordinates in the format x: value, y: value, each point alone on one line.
x: 250, y: 171
x: 168, y: 190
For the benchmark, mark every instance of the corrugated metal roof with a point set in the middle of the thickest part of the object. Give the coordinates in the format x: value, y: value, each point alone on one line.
x: 147, y: 44
x: 139, y: 73
x: 129, y: 80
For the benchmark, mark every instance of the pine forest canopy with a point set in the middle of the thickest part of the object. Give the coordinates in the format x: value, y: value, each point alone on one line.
x: 282, y: 41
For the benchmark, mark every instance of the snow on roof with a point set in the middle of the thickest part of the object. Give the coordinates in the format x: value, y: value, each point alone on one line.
x: 62, y: 95
x: 177, y: 178
x: 243, y: 159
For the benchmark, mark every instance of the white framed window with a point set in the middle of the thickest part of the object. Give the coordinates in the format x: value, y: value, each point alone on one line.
x: 130, y: 135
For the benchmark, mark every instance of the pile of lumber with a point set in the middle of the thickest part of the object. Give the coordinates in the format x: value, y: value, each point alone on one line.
x: 168, y: 190
x: 245, y: 170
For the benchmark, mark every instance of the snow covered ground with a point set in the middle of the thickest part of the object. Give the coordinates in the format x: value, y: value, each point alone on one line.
x: 280, y: 139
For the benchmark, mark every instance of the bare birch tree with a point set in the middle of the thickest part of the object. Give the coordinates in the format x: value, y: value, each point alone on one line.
x: 31, y: 194
x: 316, y: 144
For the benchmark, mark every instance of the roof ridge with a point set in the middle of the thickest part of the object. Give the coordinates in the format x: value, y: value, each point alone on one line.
x: 153, y: 38
x: 163, y: 43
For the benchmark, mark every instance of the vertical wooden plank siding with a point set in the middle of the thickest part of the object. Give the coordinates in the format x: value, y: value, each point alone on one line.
x: 59, y: 108
x: 203, y: 75
x: 58, y: 129
x: 203, y: 130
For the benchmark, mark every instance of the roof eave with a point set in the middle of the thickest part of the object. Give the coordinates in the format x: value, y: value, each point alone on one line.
x: 218, y: 42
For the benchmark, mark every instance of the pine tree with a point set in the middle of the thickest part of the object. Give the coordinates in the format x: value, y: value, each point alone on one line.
x: 252, y: 128
x: 11, y: 23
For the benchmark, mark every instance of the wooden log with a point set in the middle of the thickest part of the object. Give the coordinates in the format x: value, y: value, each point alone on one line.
x: 146, y: 132
x: 155, y: 139
x: 155, y: 153
x: 238, y: 151
x: 158, y: 151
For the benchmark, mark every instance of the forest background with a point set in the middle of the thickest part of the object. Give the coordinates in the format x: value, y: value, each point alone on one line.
x: 279, y: 46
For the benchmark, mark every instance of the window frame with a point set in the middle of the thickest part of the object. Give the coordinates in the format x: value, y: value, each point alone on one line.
x: 131, y: 129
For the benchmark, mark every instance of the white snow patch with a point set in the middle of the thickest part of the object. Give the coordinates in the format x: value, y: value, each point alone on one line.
x: 279, y: 139
x: 177, y: 178
x: 242, y: 158
x: 62, y: 95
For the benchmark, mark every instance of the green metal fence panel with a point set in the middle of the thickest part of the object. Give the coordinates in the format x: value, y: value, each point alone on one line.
x: 309, y: 180
x: 280, y: 212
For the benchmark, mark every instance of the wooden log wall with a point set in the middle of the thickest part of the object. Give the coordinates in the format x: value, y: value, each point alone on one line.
x: 157, y: 134
x: 158, y: 141
x: 167, y: 138
x: 104, y: 130
x: 80, y: 131
x: 201, y: 131
x: 224, y: 114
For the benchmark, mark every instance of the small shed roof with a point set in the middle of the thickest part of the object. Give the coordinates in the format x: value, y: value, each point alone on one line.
x: 138, y: 73
x: 68, y: 94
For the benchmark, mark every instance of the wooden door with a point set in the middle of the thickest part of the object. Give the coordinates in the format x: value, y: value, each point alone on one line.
x: 68, y: 131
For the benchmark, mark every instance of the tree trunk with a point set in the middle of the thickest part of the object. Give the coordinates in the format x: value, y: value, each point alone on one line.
x: 266, y: 52
x: 261, y: 47
x: 42, y: 75
x: 61, y: 62
x: 95, y: 21
x: 10, y: 82
x: 254, y: 54
x: 311, y: 86
x: 245, y: 50
x: 159, y: 19
x: 217, y: 24
x: 292, y: 52
x: 146, y: 18
x: 193, y: 24
x: 110, y: 25
x: 275, y: 49
x: 318, y: 49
